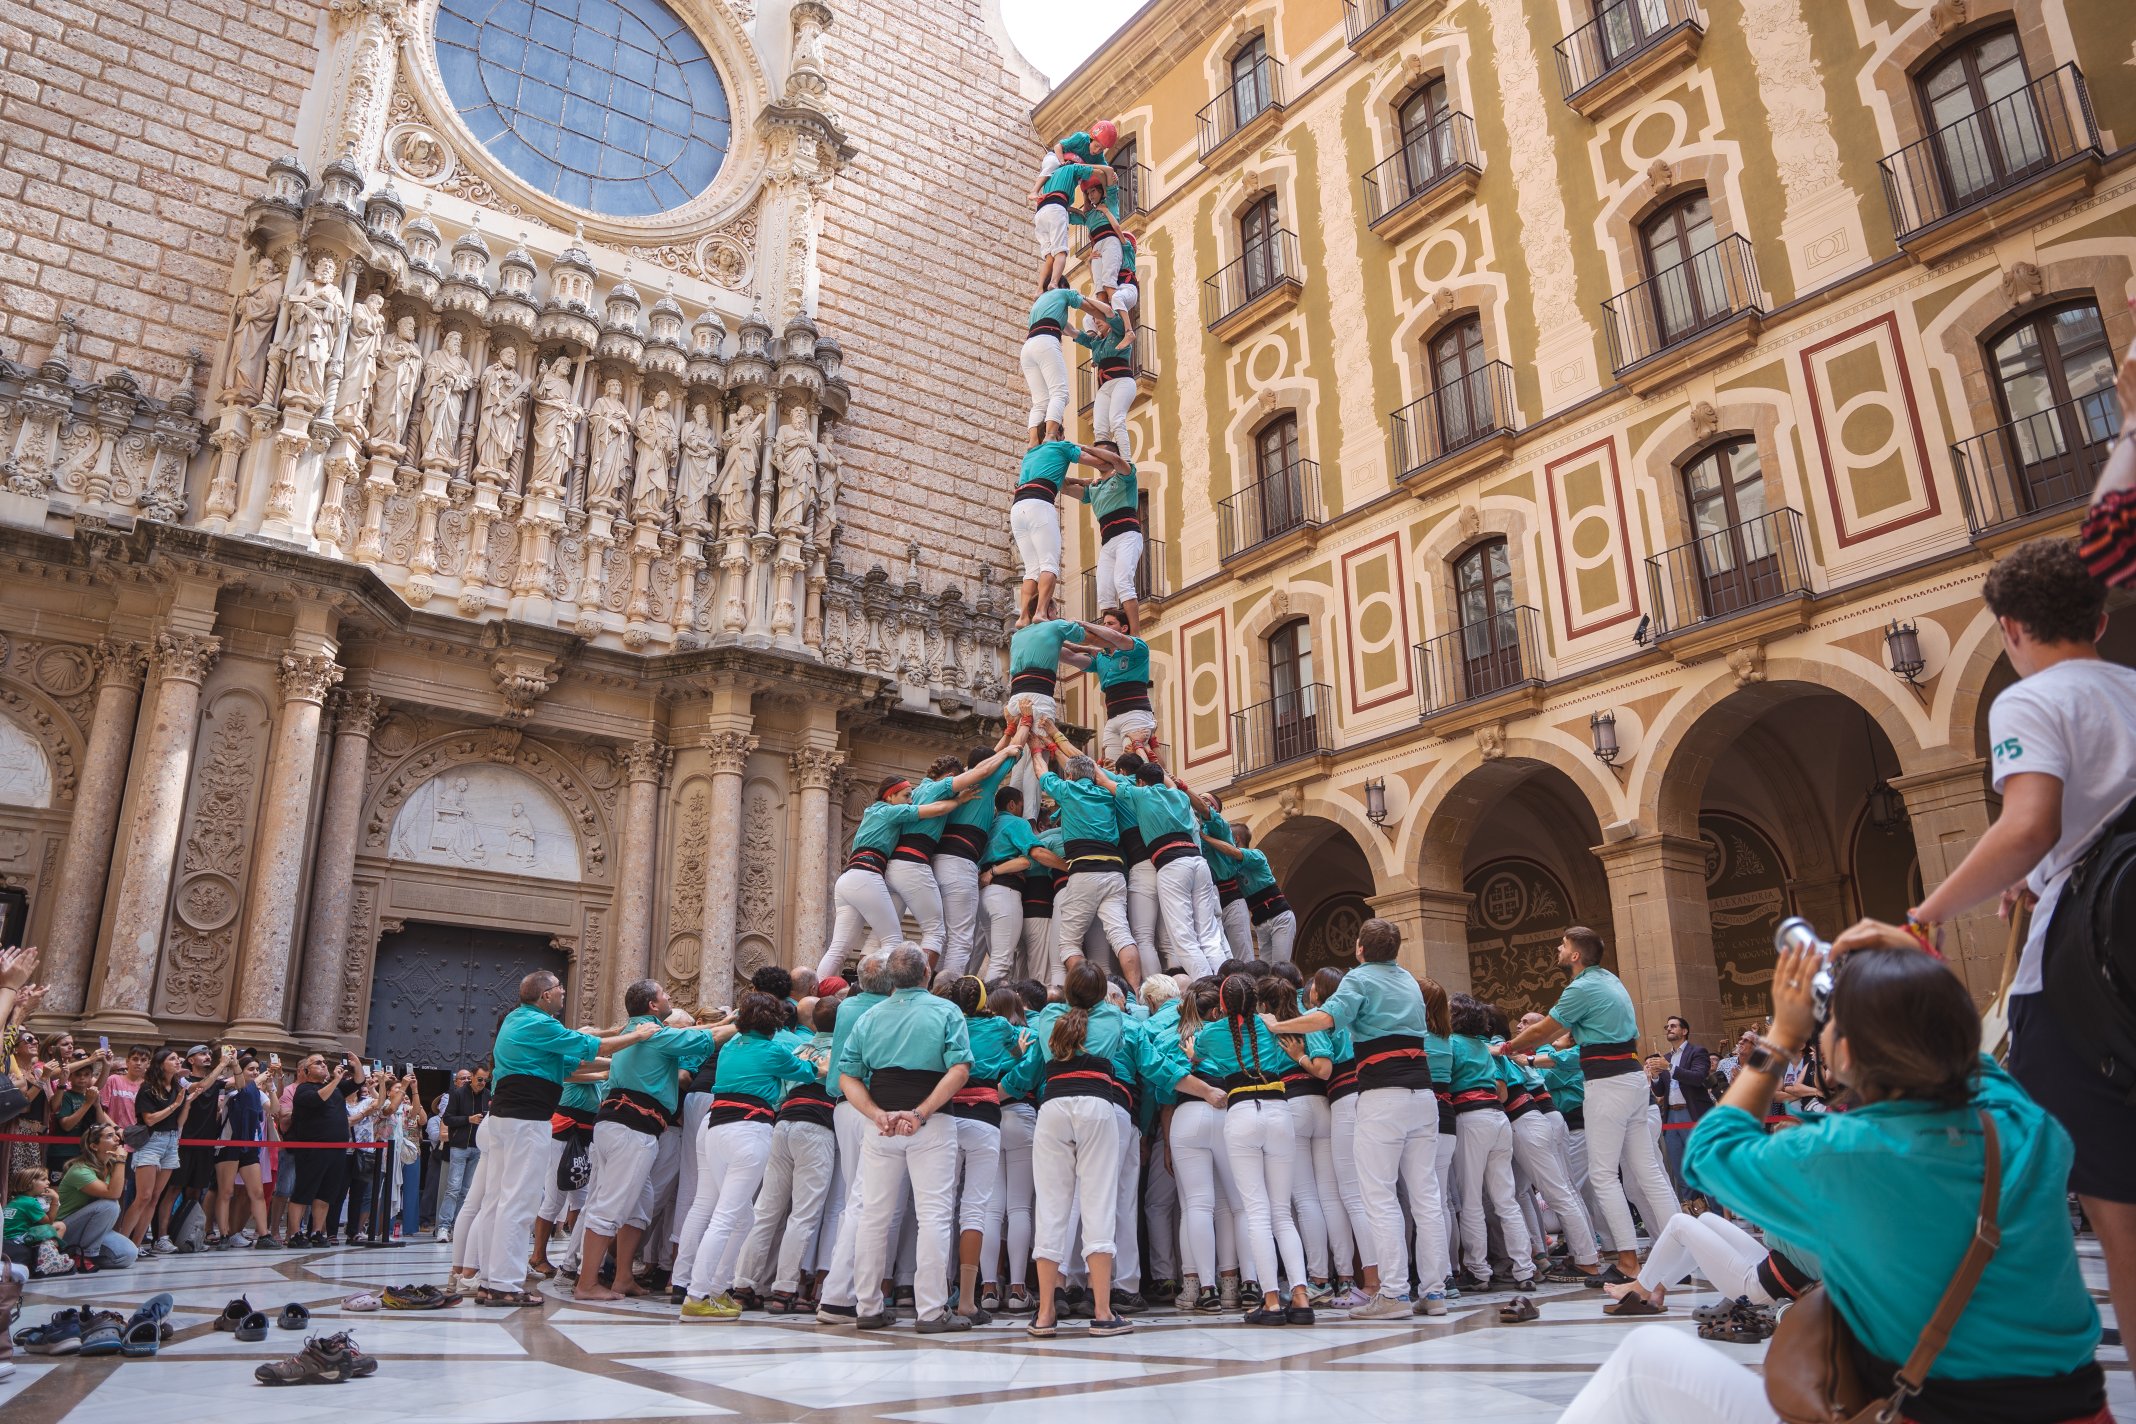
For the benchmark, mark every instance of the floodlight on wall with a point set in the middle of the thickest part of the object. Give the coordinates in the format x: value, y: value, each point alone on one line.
x: 1376, y: 800
x: 1902, y: 648
x: 1602, y: 727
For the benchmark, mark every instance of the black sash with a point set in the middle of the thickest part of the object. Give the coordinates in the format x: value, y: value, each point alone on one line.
x: 977, y: 1101
x: 1173, y: 845
x: 1609, y: 1060
x: 739, y: 1107
x: 523, y: 1097
x: 1265, y: 905
x: 1470, y: 1100
x: 1342, y: 1082
x: 1040, y: 885
x: 1520, y: 1104
x: 914, y: 848
x: 1575, y: 1119
x: 963, y: 842
x: 1253, y: 1087
x: 1228, y: 892
x: 868, y: 859
x: 1114, y: 368
x: 1045, y: 327
x: 1301, y: 1083
x: 1120, y: 521
x: 1049, y: 200
x: 1132, y: 851
x: 1038, y: 491
x: 902, y: 1089
x: 1394, y: 1061
x: 809, y: 1103
x: 1446, y: 1112
x: 1037, y: 680
x: 640, y: 1112
x: 1085, y: 1076
x: 1085, y: 857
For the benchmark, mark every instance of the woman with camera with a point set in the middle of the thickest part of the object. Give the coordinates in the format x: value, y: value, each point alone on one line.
x: 1886, y: 1196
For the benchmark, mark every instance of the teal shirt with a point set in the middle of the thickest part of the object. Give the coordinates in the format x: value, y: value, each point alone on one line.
x: 1011, y: 837
x: 1066, y: 179
x: 1563, y: 1077
x: 1038, y: 647
x: 1160, y: 1062
x: 1129, y: 664
x: 1215, y: 827
x: 979, y: 811
x: 1113, y: 493
x: 1439, y: 1052
x: 912, y: 1030
x: 926, y: 830
x: 1597, y: 1008
x: 1885, y: 1196
x: 1079, y: 144
x: 585, y: 1097
x: 757, y: 1065
x: 1375, y: 1000
x: 997, y: 1047
x: 882, y: 823
x: 1087, y: 810
x: 1047, y: 464
x: 1321, y: 1044
x: 1217, y: 1058
x: 651, y: 1067
x: 1054, y: 304
x: 1155, y: 810
x: 1109, y: 343
x: 1472, y: 1066
x: 1254, y: 874
x: 1106, y: 1038
x: 850, y: 1010
x: 533, y: 1044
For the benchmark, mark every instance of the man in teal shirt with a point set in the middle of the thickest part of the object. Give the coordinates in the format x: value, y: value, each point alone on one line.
x: 1170, y: 829
x: 900, y: 1066
x: 1231, y: 901
x: 1034, y: 509
x: 962, y: 845
x: 1124, y: 683
x: 872, y: 987
x: 1096, y: 888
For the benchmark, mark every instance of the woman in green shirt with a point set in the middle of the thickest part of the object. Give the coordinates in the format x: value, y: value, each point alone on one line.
x: 863, y: 897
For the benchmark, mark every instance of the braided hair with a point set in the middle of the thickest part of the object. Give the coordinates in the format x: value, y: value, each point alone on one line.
x: 1236, y: 1000
x: 968, y: 994
x: 1277, y: 996
x: 1086, y: 990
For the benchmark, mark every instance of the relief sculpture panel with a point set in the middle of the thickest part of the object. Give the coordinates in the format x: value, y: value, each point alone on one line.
x: 485, y: 817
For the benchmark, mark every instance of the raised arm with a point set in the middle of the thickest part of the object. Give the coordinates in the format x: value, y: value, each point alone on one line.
x: 1099, y: 633
x: 1545, y: 1032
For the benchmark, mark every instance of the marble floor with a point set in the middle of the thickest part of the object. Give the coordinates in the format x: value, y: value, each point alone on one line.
x: 634, y: 1361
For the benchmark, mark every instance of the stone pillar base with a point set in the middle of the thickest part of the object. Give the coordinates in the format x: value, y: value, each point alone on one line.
x: 261, y: 1035
x: 1434, y: 925
x: 121, y: 1028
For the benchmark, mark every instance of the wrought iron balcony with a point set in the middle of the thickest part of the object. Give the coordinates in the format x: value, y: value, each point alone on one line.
x: 1730, y: 570
x: 1284, y: 728
x: 1678, y: 304
x: 1619, y: 43
x: 1990, y: 153
x: 1288, y: 499
x: 1149, y: 579
x: 2046, y: 461
x: 1268, y: 270
x: 1427, y: 163
x: 1257, y: 93
x: 1142, y: 356
x: 1492, y: 655
x: 1456, y: 417
x: 1362, y: 18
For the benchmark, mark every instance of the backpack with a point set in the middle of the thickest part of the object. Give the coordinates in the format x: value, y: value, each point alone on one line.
x: 2088, y: 959
x: 575, y: 1167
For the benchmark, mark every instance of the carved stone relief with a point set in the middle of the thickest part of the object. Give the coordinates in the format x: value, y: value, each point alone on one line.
x: 485, y: 817
x: 200, y: 946
x: 758, y: 895
x: 25, y: 774
x: 686, y: 907
x: 462, y: 753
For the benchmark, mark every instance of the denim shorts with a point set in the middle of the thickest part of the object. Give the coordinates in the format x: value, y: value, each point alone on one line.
x: 161, y: 1150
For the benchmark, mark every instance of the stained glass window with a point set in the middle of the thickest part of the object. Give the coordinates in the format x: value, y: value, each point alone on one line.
x: 608, y: 105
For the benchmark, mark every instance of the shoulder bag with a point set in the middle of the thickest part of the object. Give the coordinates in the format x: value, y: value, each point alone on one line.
x: 1810, y: 1377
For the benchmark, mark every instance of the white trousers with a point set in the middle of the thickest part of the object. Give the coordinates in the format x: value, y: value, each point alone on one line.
x: 863, y: 906
x: 1038, y: 957
x: 1004, y: 928
x: 1075, y: 1161
x: 848, y: 1126
x: 1484, y: 1157
x: 1539, y: 1153
x: 1118, y: 557
x: 1108, y: 418
x: 1449, y: 1195
x: 1263, y: 1147
x: 1045, y: 368
x: 1088, y: 895
x: 928, y: 1161
x: 789, y: 1205
x: 957, y: 882
x: 1127, y: 1212
x: 1051, y: 224
x: 1315, y: 1120
x: 1718, y: 1249
x: 686, y: 1217
x: 1576, y: 1172
x: 1398, y: 1147
x: 1342, y: 1152
x: 1105, y: 263
x: 1186, y: 897
x: 521, y: 1154
x: 1019, y: 1123
x: 1202, y: 1166
x: 742, y: 1150
x: 1273, y: 938
x: 1237, y: 921
x: 1160, y: 1216
x: 913, y: 882
x: 1658, y: 1376
x: 1036, y: 527
x: 1142, y: 912
x: 1617, y: 1134
x: 1126, y: 299
x: 622, y: 1165
x: 1119, y: 730
x: 978, y: 1172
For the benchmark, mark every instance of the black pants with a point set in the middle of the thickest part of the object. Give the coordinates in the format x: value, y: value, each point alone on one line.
x: 2102, y: 1126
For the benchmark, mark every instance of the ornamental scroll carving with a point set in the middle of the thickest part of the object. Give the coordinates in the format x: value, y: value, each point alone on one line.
x: 1792, y: 90
x: 1545, y: 238
x: 200, y: 945
x: 504, y: 747
x: 757, y: 895
x: 356, y: 956
x: 686, y: 905
x: 730, y: 751
x: 586, y: 962
x: 185, y: 657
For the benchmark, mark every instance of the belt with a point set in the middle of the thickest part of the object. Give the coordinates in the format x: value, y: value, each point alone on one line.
x: 739, y: 1107
x: 1242, y: 1087
x: 1048, y: 327
x: 1049, y: 200
x: 1171, y: 846
x: 902, y: 1089
x: 1265, y: 905
x: 963, y: 842
x: 869, y: 859
x: 1037, y: 490
x: 810, y: 1103
x: 1119, y: 521
x: 1085, y: 1076
x: 1395, y: 1060
x: 1476, y: 1100
x: 640, y: 1112
x: 1609, y: 1060
x: 1035, y: 680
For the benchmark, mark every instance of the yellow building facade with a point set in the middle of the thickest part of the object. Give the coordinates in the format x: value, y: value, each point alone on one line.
x: 1574, y: 439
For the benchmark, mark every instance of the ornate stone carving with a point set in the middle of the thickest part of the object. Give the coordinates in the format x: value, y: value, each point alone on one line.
x: 504, y: 748
x: 730, y: 751
x: 1491, y: 740
x: 39, y: 769
x: 359, y: 363
x: 201, y: 943
x: 608, y: 429
x: 1946, y: 15
x: 252, y: 328
x: 1279, y: 602
x: 656, y: 440
x: 502, y: 417
x: 1289, y: 803
x: 586, y: 961
x: 186, y: 657
x: 356, y: 957
x: 308, y: 677
x: 400, y: 369
x: 1747, y: 663
x: 648, y: 760
x: 737, y: 478
x: 119, y: 663
x: 312, y: 318
x: 793, y: 456
x: 447, y: 379
x: 1704, y: 420
x: 360, y: 713
x: 1659, y: 175
x: 699, y: 450
x: 556, y: 422
x: 757, y: 893
x: 1469, y: 521
x: 815, y: 768
x: 415, y: 151
x: 686, y: 904
x: 1545, y: 237
x: 2021, y: 283
x: 1797, y: 109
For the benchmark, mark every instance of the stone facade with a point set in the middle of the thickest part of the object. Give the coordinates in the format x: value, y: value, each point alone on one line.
x: 1435, y: 464
x: 387, y: 543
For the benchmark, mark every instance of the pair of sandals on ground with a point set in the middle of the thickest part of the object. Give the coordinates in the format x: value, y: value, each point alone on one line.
x: 250, y: 1326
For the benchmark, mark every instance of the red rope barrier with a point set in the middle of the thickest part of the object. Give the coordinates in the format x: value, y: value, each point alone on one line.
x: 203, y: 1142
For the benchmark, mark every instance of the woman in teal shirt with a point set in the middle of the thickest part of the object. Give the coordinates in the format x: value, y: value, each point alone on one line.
x: 1886, y: 1195
x: 1236, y: 1052
x: 1484, y: 1151
x: 997, y: 1046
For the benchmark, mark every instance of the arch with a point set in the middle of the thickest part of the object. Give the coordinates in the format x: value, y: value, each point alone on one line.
x: 1301, y: 827
x: 1510, y: 520
x: 1768, y: 420
x: 1468, y: 790
x: 1925, y: 40
x: 47, y: 725
x: 1623, y: 218
x: 580, y: 805
x: 25, y: 767
x: 481, y: 816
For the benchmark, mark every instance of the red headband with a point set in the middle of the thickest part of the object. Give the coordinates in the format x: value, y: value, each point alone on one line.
x: 896, y: 787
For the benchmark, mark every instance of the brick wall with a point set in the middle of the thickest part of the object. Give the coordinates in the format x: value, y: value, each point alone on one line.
x: 936, y: 218
x: 131, y: 137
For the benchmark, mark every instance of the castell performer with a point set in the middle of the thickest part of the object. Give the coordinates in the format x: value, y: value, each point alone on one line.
x: 1097, y: 873
x: 862, y: 895
x: 910, y: 874
x: 1065, y: 168
x: 1035, y: 521
x: 962, y: 846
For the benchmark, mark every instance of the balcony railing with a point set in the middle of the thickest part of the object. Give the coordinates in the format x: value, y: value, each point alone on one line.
x: 1730, y: 570
x: 1706, y: 290
x: 1618, y: 34
x: 1361, y: 17
x: 1990, y: 151
x: 1142, y: 355
x: 1284, y: 728
x: 1260, y: 90
x: 2045, y: 461
x: 1263, y: 269
x: 1424, y: 161
x: 1481, y: 658
x: 1288, y: 499
x: 1149, y: 579
x: 1454, y: 417
x: 1134, y: 199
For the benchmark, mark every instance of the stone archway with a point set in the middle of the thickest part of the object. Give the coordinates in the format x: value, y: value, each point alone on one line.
x: 1327, y: 876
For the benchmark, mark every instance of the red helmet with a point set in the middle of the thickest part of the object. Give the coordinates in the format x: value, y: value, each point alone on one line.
x: 1105, y: 133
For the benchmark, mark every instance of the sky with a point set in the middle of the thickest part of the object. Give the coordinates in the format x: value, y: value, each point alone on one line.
x: 1058, y: 35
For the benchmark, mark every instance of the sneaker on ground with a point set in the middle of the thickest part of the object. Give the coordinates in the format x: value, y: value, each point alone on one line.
x: 1432, y: 1303
x: 1382, y: 1307
x: 319, y: 1362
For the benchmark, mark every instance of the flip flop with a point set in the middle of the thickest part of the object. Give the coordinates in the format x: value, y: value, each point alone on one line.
x: 1041, y: 1332
x: 294, y: 1317
x: 509, y: 1299
x: 1518, y: 1311
x: 141, y: 1339
x: 1634, y: 1305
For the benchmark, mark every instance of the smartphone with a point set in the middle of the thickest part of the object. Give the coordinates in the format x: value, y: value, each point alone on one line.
x: 103, y: 1042
x: 408, y: 1070
x: 274, y: 1060
x: 377, y: 1067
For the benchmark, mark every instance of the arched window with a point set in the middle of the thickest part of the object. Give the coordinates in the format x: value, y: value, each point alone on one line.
x: 1290, y: 689
x: 1490, y: 632
x: 1260, y: 246
x: 1985, y: 124
x: 1250, y: 87
x: 1734, y: 542
x: 1276, y: 476
x: 1427, y: 137
x: 1458, y: 380
x: 1687, y: 283
x: 2054, y: 379
x: 1627, y: 25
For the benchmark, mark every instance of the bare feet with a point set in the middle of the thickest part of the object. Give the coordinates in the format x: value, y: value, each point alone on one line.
x: 594, y: 1291
x: 1630, y: 1288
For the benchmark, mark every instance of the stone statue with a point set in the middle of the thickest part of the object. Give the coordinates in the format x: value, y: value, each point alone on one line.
x: 826, y: 492
x: 257, y: 308
x: 555, y: 430
x: 447, y: 378
x: 609, y: 430
x: 656, y: 458
x: 400, y: 367
x: 497, y: 425
x: 700, y: 454
x: 737, y: 474
x: 312, y: 318
x: 359, y: 360
x: 793, y: 455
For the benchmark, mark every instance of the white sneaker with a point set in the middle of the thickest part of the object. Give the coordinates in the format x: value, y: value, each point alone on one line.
x: 444, y: 1234
x: 1431, y: 1303
x: 7, y: 1368
x: 1382, y: 1307
x: 165, y: 1246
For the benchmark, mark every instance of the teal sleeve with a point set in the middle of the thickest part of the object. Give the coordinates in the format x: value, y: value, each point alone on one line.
x: 959, y: 1049
x: 552, y: 1037
x: 1342, y: 1005
x: 1084, y: 338
x: 790, y: 1067
x: 1784, y: 1181
x: 1030, y: 1070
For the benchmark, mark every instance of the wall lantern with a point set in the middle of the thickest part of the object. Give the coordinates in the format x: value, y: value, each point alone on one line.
x: 1902, y: 647
x: 1602, y: 727
x: 1376, y: 800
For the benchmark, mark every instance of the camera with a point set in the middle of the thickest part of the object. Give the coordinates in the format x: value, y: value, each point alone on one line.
x: 1797, y: 933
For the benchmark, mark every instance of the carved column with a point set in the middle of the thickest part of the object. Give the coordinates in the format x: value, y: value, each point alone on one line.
x: 730, y: 744
x: 85, y: 868
x: 285, y: 811
x: 1664, y: 928
x: 326, y: 943
x: 813, y: 769
x: 638, y: 866
x: 181, y: 662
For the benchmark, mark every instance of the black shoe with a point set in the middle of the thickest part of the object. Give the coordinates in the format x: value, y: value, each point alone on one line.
x: 253, y: 1328
x: 947, y: 1323
x: 1464, y: 1280
x: 881, y: 1320
x: 1298, y: 1315
x: 1163, y: 1292
x: 1525, y: 1285
x: 1609, y: 1276
x: 233, y: 1314
x: 677, y: 1295
x: 1262, y: 1315
x: 1209, y: 1302
x: 1128, y: 1303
